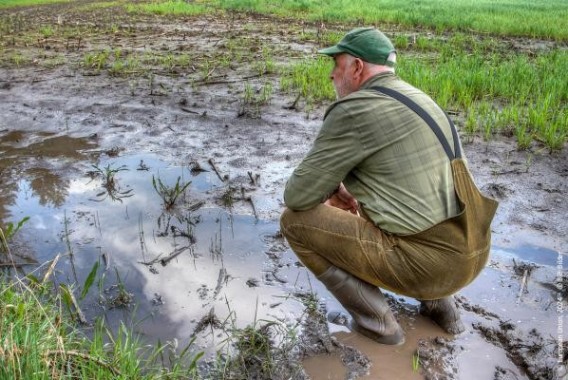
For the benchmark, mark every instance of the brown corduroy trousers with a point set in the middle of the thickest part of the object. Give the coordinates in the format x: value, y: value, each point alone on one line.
x: 431, y: 264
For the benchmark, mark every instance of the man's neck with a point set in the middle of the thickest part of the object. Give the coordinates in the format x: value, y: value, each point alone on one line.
x: 374, y: 70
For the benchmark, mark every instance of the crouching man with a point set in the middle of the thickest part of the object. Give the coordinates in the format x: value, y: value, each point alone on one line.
x: 384, y: 198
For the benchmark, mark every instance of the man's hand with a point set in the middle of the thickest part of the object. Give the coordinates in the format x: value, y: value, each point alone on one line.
x: 344, y: 200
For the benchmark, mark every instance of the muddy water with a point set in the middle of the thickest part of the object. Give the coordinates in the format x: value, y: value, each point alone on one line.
x: 184, y: 265
x: 221, y: 259
x: 472, y: 355
x: 388, y: 362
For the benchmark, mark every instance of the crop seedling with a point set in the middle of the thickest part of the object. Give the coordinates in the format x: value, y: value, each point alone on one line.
x: 96, y: 60
x: 416, y: 361
x: 169, y: 194
x: 110, y: 183
x: 108, y: 173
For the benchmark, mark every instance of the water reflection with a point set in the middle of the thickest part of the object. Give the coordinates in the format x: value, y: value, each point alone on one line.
x: 179, y: 264
x: 43, y: 159
x: 49, y: 187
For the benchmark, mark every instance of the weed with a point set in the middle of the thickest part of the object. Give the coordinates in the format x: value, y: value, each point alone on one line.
x: 169, y: 194
x: 110, y: 183
x: 8, y: 233
x: 19, y: 59
x: 207, y: 69
x: 416, y: 361
x: 174, y: 7
x: 46, y: 31
x: 228, y: 197
x: 263, y: 351
x: 109, y: 175
x: 423, y: 43
x: 310, y: 300
x: 471, y: 125
x: 311, y: 78
x: 400, y: 42
x: 89, y: 280
x: 11, y: 229
x: 126, y: 66
x: 54, y: 61
x: 96, y: 60
x: 120, y: 297
x: 265, y: 93
x: 253, y: 99
x: 248, y: 94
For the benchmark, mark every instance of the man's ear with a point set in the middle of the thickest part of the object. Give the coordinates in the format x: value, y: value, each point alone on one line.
x: 359, y: 66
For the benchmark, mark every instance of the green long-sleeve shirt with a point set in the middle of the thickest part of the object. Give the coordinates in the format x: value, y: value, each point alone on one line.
x: 386, y: 156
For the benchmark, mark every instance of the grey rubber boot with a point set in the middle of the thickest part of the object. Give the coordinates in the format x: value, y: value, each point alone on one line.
x: 371, y: 313
x: 445, y: 313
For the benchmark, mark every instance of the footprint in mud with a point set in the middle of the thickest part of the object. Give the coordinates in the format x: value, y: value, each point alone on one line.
x: 497, y: 190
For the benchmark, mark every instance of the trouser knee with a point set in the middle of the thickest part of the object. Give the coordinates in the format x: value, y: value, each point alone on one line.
x: 289, y: 221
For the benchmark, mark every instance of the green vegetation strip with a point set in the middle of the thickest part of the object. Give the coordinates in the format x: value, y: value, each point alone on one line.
x: 170, y: 7
x: 532, y: 18
x: 511, y: 94
x: 39, y: 341
x: 21, y: 3
x: 499, y: 91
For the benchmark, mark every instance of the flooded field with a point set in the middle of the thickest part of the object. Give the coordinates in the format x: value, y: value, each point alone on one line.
x: 83, y: 154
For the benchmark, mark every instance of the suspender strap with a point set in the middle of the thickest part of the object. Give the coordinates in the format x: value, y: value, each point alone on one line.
x: 428, y: 119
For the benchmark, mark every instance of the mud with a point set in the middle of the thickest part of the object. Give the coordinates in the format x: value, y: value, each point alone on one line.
x: 217, y: 263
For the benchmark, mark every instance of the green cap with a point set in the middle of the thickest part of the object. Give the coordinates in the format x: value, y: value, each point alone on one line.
x: 369, y: 44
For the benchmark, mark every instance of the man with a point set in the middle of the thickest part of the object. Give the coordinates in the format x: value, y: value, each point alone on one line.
x: 374, y: 203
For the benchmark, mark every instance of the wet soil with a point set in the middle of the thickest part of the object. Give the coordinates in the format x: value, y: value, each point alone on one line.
x: 216, y: 262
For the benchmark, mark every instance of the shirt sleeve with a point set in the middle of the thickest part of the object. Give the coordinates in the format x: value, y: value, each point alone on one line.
x: 336, y: 150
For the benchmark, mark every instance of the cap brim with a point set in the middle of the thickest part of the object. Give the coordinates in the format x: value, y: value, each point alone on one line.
x: 333, y: 50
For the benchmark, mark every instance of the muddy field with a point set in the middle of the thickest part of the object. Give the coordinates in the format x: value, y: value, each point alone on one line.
x: 216, y: 261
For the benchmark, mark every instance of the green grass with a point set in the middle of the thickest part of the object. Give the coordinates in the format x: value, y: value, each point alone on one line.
x: 22, y: 3
x: 169, y: 7
x: 541, y: 18
x: 99, y: 5
x: 505, y: 92
x: 498, y: 90
x: 39, y: 341
x: 310, y: 78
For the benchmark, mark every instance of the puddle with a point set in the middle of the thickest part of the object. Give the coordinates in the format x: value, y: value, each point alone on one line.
x: 533, y: 254
x: 222, y: 260
x: 392, y: 363
x: 496, y: 292
x: 44, y: 159
x: 202, y: 259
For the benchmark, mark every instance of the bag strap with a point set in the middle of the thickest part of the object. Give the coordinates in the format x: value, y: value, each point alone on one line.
x: 428, y: 119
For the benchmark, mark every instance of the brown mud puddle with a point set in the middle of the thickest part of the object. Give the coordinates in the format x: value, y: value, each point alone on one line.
x: 217, y: 261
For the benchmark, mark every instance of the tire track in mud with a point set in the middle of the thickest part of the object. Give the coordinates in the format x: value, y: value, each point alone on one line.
x: 534, y: 354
